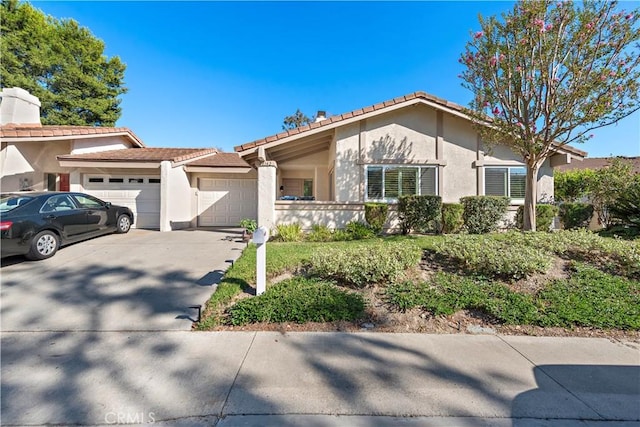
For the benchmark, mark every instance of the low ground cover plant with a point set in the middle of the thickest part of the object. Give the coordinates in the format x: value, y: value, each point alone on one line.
x: 486, y: 256
x: 359, y: 266
x: 299, y: 300
x: 490, y: 274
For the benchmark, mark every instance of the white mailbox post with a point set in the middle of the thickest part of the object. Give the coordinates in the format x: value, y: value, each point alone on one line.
x: 260, y: 237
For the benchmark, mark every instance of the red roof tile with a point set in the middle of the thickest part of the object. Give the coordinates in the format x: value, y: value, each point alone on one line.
x: 222, y: 160
x: 47, y: 131
x: 599, y: 163
x: 141, y: 155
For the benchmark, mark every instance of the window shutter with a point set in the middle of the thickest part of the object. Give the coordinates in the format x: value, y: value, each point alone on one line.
x: 495, y: 181
x: 428, y: 181
x: 408, y: 181
x: 374, y: 183
x: 391, y: 183
x: 518, y: 179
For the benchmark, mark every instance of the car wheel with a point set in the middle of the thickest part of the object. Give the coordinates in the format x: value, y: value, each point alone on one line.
x: 44, y: 245
x: 123, y: 224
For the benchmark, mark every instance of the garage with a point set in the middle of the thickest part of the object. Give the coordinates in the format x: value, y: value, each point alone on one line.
x: 224, y: 202
x: 141, y: 194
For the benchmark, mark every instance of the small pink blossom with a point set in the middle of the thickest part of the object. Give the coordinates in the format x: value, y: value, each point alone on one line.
x: 612, y: 74
x: 502, y: 57
x: 486, y: 104
x: 548, y: 27
x: 493, y: 61
x: 519, y: 69
x: 496, y: 111
x: 628, y: 17
x: 590, y: 25
x: 478, y: 35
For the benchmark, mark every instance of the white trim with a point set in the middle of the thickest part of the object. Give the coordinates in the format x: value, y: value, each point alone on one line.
x: 212, y: 169
x: 70, y: 137
x: 98, y: 164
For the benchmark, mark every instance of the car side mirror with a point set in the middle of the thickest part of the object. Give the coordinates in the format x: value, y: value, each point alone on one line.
x: 107, y: 205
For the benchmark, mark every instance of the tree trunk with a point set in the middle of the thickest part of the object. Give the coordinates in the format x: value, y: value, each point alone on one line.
x: 530, y: 197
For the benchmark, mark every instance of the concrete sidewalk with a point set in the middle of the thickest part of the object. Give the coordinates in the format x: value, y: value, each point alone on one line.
x: 316, y: 379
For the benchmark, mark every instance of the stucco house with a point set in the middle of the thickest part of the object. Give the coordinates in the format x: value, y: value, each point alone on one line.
x: 322, y: 173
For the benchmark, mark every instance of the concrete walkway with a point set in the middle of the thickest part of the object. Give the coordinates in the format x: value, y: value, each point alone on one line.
x: 179, y: 378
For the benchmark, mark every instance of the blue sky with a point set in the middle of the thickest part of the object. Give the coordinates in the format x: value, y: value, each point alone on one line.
x: 220, y: 74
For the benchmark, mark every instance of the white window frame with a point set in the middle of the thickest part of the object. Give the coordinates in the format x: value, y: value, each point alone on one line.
x: 396, y: 166
x: 513, y: 201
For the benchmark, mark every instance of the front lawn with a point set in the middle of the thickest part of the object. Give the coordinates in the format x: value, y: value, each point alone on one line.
x: 569, y: 280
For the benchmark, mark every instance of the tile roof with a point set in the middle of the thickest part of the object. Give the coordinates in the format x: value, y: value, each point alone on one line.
x: 599, y: 163
x: 141, y: 155
x: 365, y: 110
x: 222, y: 160
x: 47, y: 131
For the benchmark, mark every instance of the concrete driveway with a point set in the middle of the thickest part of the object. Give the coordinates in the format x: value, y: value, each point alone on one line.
x: 143, y: 280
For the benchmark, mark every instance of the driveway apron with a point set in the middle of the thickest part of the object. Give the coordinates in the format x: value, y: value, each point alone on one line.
x: 143, y: 280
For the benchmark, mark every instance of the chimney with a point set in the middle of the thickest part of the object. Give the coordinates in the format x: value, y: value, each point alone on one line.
x: 322, y: 115
x: 19, y: 107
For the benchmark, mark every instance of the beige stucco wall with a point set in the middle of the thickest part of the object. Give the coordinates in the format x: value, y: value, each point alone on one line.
x: 409, y: 135
x: 406, y: 135
x: 347, y: 173
x: 30, y: 161
x: 459, y: 176
x: 93, y: 145
x: 179, y: 196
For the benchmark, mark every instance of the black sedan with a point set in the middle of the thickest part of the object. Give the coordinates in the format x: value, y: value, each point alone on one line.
x: 36, y: 224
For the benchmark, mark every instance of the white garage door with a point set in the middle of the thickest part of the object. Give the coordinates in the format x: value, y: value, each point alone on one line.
x: 141, y: 194
x: 224, y: 202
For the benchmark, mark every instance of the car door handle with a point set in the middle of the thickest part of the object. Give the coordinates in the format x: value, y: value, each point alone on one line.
x: 50, y: 217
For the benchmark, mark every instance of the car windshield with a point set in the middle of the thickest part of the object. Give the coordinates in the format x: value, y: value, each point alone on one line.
x: 11, y: 201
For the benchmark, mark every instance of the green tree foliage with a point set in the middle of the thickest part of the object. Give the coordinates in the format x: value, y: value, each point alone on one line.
x: 546, y: 74
x: 608, y: 185
x: 61, y: 63
x: 296, y: 120
x: 572, y: 185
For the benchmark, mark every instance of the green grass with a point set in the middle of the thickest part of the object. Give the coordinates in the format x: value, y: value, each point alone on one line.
x: 603, y: 290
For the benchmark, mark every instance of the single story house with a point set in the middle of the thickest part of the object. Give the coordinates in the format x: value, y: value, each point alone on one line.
x: 321, y: 173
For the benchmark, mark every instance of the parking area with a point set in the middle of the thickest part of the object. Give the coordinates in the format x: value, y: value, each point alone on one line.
x: 143, y: 280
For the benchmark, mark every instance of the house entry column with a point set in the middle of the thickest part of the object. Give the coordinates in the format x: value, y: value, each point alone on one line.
x: 267, y: 194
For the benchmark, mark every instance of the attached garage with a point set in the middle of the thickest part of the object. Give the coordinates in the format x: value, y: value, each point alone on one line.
x: 141, y: 194
x: 224, y: 202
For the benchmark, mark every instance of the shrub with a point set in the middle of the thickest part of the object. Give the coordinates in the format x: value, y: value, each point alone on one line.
x: 626, y: 209
x: 496, y: 258
x: 418, y: 212
x: 376, y: 215
x: 289, y: 232
x: 570, y: 186
x: 359, y: 266
x: 452, y: 220
x: 575, y: 215
x: 544, y: 217
x: 299, y: 300
x: 341, y: 236
x: 249, y: 224
x: 359, y: 230
x: 483, y: 213
x: 320, y: 233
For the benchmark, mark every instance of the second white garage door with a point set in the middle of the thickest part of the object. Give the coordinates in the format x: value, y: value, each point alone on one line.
x: 224, y: 202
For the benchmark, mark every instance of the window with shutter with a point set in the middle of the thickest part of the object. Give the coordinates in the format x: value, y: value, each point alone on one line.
x: 509, y: 181
x: 390, y: 182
